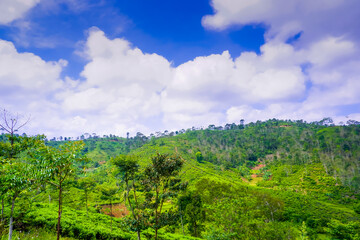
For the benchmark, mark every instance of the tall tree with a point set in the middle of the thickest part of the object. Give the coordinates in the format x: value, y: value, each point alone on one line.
x: 10, y: 124
x: 160, y: 183
x: 127, y: 168
x: 87, y: 184
x: 108, y: 193
x: 18, y: 171
x: 59, y: 166
x: 192, y: 206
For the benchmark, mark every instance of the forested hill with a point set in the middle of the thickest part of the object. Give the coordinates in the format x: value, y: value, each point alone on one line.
x: 264, y: 180
x: 239, y: 148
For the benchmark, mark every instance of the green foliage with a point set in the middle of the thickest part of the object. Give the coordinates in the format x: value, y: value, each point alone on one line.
x: 191, y: 206
x: 199, y: 156
x: 264, y: 180
x: 19, y: 170
x: 75, y: 223
x: 339, y: 230
x: 303, y: 232
x: 357, y: 208
x: 160, y: 184
x: 36, y: 233
x: 126, y: 167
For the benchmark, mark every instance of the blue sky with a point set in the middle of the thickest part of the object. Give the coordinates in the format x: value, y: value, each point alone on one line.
x: 117, y: 66
x: 168, y: 28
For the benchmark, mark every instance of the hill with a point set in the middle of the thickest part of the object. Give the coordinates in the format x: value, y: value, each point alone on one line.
x: 264, y: 180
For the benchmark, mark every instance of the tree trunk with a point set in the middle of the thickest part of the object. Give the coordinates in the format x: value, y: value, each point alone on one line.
x: 156, y: 214
x: 132, y: 208
x: 11, y: 216
x: 12, y: 145
x: 195, y: 229
x: 86, y: 200
x: 136, y: 218
x: 138, y: 234
x: 59, y: 211
x: 2, y: 209
x: 182, y: 223
x: 111, y: 216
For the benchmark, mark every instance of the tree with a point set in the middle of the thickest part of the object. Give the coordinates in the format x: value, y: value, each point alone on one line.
x: 87, y: 184
x: 160, y: 183
x: 192, y: 206
x: 58, y: 165
x: 3, y: 190
x: 11, y: 124
x: 108, y: 193
x: 199, y: 157
x: 127, y: 169
x: 326, y: 122
x: 18, y: 171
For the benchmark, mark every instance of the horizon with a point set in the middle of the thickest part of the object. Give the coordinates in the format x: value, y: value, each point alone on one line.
x: 174, y: 132
x: 112, y: 67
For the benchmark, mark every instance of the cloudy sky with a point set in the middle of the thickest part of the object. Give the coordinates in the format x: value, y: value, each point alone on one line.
x: 113, y: 66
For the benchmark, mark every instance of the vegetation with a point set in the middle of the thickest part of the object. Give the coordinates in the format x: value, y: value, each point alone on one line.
x: 264, y: 180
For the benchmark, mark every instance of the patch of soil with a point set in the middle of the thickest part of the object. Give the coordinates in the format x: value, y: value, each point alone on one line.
x: 244, y: 179
x: 258, y: 167
x: 118, y: 210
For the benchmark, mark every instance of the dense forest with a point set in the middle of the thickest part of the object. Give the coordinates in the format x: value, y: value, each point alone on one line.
x: 265, y: 180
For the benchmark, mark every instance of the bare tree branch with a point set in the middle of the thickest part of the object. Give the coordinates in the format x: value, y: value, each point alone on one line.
x: 9, y: 123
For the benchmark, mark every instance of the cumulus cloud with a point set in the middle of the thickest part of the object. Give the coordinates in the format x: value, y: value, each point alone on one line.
x: 315, y: 19
x: 122, y: 89
x: 11, y: 10
x: 27, y: 71
x: 28, y: 84
x: 122, y: 85
x: 125, y: 86
x: 209, y: 86
x: 320, y: 66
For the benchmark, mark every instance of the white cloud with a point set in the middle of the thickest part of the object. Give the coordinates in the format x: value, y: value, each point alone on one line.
x: 122, y: 85
x: 126, y: 90
x: 325, y: 58
x: 27, y: 85
x: 27, y: 72
x: 330, y: 50
x: 11, y: 10
x: 315, y: 19
x: 211, y: 85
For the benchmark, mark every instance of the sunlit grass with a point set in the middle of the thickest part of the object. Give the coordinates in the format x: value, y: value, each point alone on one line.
x: 33, y: 234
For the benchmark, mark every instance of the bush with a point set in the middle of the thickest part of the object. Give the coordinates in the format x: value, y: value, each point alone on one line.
x: 76, y: 223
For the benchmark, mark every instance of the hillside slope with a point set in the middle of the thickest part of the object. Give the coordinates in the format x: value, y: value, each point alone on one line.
x: 264, y: 180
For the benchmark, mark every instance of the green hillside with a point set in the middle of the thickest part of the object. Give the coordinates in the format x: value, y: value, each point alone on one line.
x: 264, y: 180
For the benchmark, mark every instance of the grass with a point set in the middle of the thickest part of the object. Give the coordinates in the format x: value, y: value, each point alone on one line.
x: 33, y: 234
